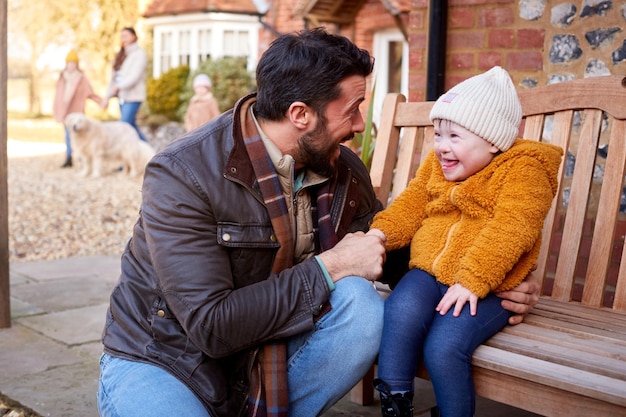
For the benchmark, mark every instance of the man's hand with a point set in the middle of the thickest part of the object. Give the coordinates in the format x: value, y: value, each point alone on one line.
x: 357, y: 254
x: 521, y: 299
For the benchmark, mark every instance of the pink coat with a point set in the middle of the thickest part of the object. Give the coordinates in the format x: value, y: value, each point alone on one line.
x: 201, y: 110
x: 82, y: 92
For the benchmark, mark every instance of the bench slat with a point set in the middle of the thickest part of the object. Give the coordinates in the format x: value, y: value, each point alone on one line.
x: 593, y: 318
x: 607, y: 94
x: 577, y: 208
x: 540, y: 399
x: 608, y: 210
x: 551, y: 374
x: 564, y: 349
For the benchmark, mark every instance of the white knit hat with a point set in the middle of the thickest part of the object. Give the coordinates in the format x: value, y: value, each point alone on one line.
x: 202, y: 80
x: 486, y: 105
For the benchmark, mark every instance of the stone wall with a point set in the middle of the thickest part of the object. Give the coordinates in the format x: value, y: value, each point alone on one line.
x: 537, y: 41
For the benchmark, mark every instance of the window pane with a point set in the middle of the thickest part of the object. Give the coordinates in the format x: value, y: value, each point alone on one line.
x: 243, y: 43
x: 184, y: 47
x: 230, y: 43
x: 204, y: 44
x: 394, y: 80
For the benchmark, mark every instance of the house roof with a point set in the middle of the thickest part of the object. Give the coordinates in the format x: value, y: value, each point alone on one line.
x: 174, y: 7
x: 342, y: 11
x: 333, y: 11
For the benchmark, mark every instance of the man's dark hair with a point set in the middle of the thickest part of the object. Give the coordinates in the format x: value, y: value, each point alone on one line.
x: 308, y: 67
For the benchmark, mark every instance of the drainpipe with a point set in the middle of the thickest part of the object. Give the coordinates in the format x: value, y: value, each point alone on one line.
x: 436, y: 66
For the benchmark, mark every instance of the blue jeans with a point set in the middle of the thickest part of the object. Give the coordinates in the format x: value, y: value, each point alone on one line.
x: 68, y: 143
x: 128, y: 114
x: 413, y: 328
x: 323, y: 364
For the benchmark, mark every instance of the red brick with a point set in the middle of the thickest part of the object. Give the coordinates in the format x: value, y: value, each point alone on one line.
x: 497, y: 16
x: 465, y: 2
x: 416, y: 59
x: 416, y: 20
x: 612, y: 275
x: 500, y: 38
x: 524, y: 61
x: 452, y: 80
x: 617, y: 250
x: 487, y: 60
x: 466, y: 40
x: 585, y: 247
x: 462, y: 61
x: 530, y: 38
x: 461, y: 18
x: 588, y: 227
x: 419, y: 4
x: 418, y: 41
x: 620, y: 230
x: 555, y: 243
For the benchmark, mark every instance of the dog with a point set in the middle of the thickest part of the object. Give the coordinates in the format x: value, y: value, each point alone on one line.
x: 94, y: 143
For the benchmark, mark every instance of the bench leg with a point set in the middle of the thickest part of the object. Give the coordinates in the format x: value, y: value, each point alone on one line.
x: 363, y: 392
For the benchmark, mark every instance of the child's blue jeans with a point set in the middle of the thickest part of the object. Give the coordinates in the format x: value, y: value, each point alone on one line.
x: 412, y: 327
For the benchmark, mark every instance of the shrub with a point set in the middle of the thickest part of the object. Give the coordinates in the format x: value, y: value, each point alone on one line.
x: 229, y: 77
x: 163, y: 93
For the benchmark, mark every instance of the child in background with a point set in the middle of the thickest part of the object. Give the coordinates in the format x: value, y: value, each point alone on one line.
x: 72, y: 91
x: 203, y: 106
x: 473, y: 216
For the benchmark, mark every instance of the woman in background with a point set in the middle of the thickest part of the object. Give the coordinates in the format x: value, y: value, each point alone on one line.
x: 128, y: 79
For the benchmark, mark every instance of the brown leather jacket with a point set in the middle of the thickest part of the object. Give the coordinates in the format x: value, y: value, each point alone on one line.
x: 197, y: 295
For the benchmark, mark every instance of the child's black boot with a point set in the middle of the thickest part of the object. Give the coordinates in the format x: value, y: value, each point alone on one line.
x: 394, y: 405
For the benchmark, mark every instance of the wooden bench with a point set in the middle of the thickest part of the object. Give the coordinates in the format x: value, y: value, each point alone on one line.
x: 568, y: 357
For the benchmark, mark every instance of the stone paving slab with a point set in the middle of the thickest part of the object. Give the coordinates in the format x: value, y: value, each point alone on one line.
x: 71, y: 327
x: 24, y: 351
x: 79, y: 267
x: 65, y: 391
x: 65, y: 294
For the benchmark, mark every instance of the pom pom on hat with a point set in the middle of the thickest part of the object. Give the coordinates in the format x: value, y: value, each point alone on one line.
x: 486, y: 105
x: 202, y: 80
x: 72, y: 56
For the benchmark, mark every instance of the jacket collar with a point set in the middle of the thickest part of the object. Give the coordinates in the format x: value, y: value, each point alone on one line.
x: 238, y: 165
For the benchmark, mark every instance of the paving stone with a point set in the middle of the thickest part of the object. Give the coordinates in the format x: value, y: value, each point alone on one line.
x: 72, y: 327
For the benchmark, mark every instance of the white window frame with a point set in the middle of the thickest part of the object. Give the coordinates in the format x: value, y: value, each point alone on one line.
x: 380, y: 50
x: 217, y: 24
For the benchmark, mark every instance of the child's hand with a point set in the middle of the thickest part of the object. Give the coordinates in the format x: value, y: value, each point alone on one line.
x: 457, y: 295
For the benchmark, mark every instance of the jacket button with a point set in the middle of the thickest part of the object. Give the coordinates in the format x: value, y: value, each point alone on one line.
x: 226, y: 237
x: 352, y: 203
x: 273, y: 238
x: 161, y: 313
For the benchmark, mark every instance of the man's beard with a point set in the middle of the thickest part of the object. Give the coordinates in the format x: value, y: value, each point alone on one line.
x: 318, y: 159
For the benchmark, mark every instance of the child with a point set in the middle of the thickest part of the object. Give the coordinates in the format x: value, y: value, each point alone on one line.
x: 203, y: 106
x: 473, y: 216
x: 72, y: 91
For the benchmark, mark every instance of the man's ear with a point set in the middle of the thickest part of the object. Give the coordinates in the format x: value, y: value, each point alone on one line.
x: 300, y: 115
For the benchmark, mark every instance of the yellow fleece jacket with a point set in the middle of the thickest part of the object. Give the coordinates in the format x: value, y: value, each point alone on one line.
x: 484, y: 232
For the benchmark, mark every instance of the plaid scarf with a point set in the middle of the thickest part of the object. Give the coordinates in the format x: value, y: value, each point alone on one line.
x: 268, y: 382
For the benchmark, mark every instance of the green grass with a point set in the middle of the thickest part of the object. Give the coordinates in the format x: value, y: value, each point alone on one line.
x: 35, y: 130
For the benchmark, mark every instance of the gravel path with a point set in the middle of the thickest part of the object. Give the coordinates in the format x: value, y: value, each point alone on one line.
x: 54, y: 213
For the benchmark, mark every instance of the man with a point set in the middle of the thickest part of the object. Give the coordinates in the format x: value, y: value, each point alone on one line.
x: 250, y: 245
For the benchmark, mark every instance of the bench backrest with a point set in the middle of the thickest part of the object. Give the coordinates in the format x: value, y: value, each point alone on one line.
x: 583, y: 234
